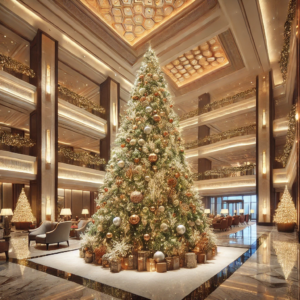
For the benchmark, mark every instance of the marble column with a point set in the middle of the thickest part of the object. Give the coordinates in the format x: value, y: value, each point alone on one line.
x: 264, y: 153
x: 44, y: 125
x: 110, y: 100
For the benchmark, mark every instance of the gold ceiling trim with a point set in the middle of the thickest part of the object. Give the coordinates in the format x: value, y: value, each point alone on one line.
x: 133, y: 20
x: 197, y: 62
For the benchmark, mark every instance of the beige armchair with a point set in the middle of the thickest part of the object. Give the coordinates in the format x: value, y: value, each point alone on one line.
x: 45, y: 227
x: 58, y: 235
x: 82, y: 226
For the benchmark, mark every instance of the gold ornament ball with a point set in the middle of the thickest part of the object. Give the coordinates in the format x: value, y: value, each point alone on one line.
x: 146, y: 237
x: 145, y: 210
x: 154, y: 168
x: 156, y: 118
x: 152, y: 157
x: 109, y: 235
x: 152, y: 208
x: 136, y: 197
x: 134, y: 219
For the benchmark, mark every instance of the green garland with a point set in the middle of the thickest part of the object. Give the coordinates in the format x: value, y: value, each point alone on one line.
x: 221, y: 136
x: 285, y: 52
x: 15, y: 140
x: 290, y: 138
x: 15, y: 65
x: 84, y: 157
x: 81, y: 101
x: 227, y: 171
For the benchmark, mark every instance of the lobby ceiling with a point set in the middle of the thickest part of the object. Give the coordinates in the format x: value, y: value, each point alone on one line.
x: 134, y: 20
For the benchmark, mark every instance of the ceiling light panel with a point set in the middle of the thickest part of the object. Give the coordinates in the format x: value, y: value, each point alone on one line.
x: 197, y: 62
x: 135, y: 19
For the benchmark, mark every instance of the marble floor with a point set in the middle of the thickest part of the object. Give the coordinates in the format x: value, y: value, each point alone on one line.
x: 270, y: 272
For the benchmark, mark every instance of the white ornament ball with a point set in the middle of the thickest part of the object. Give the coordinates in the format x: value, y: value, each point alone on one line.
x: 148, y: 109
x: 117, y: 221
x: 141, y: 142
x: 161, y: 209
x: 191, y: 223
x: 142, y: 91
x: 158, y: 256
x: 147, y: 178
x: 145, y: 149
x: 164, y: 227
x: 132, y: 142
x: 176, y: 202
x: 147, y: 129
x: 121, y: 163
x: 198, y: 222
x: 155, y: 77
x: 180, y: 229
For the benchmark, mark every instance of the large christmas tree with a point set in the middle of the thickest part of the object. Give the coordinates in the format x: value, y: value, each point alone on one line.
x: 147, y: 201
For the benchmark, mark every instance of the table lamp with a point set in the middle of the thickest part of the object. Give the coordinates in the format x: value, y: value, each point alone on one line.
x: 224, y: 211
x: 6, y: 212
x: 241, y: 211
x: 207, y: 211
x: 65, y: 212
x: 85, y: 212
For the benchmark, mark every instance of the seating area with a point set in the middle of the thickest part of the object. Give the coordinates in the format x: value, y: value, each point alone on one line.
x: 225, y: 223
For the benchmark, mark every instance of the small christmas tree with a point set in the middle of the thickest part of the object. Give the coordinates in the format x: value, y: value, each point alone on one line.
x: 148, y: 201
x: 23, y: 212
x: 286, y: 211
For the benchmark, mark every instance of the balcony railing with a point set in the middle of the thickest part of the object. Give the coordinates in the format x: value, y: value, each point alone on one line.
x: 210, y: 139
x: 218, y: 104
x: 79, y: 101
x: 226, y: 172
x: 15, y: 68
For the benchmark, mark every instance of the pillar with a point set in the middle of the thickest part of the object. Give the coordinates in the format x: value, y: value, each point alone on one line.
x: 264, y: 149
x: 44, y: 125
x: 110, y: 101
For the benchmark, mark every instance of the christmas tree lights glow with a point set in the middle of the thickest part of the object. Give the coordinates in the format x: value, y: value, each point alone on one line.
x: 147, y: 201
x: 23, y: 212
x: 286, y: 211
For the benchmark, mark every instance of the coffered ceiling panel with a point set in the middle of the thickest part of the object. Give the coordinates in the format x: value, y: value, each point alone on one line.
x: 135, y: 19
x: 199, y: 61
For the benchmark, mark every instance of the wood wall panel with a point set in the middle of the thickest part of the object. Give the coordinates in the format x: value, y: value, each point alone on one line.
x: 76, y: 203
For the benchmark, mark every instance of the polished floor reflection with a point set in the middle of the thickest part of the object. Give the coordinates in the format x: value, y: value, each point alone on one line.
x: 272, y: 272
x: 267, y: 268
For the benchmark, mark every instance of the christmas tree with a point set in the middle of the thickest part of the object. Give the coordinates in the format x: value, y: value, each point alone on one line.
x: 23, y: 212
x: 286, y: 211
x: 147, y: 201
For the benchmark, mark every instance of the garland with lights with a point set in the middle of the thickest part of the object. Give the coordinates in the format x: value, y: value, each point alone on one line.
x: 9, y: 63
x: 285, y: 52
x: 84, y: 157
x: 226, y: 171
x: 221, y: 136
x: 80, y: 101
x: 217, y: 104
x: 290, y: 138
x: 15, y: 140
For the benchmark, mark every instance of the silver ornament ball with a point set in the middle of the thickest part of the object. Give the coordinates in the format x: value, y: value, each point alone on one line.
x: 117, y: 221
x: 155, y: 77
x: 121, y: 163
x: 180, y: 229
x: 132, y: 142
x: 164, y: 227
x: 161, y: 208
x: 147, y: 129
x: 148, y: 109
x: 142, y: 91
x: 141, y: 142
x: 158, y: 256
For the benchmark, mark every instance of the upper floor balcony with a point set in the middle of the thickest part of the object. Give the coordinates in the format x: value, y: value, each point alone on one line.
x: 17, y: 168
x: 220, y: 110
x: 280, y: 127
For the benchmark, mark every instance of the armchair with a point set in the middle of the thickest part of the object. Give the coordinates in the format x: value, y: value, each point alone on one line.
x: 242, y: 219
x: 45, y: 227
x: 58, y: 235
x: 236, y: 220
x: 223, y: 225
x: 247, y: 219
x: 229, y: 218
x: 82, y: 226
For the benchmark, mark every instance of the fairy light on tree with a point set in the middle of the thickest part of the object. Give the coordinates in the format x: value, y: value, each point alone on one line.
x: 147, y: 201
x: 286, y: 214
